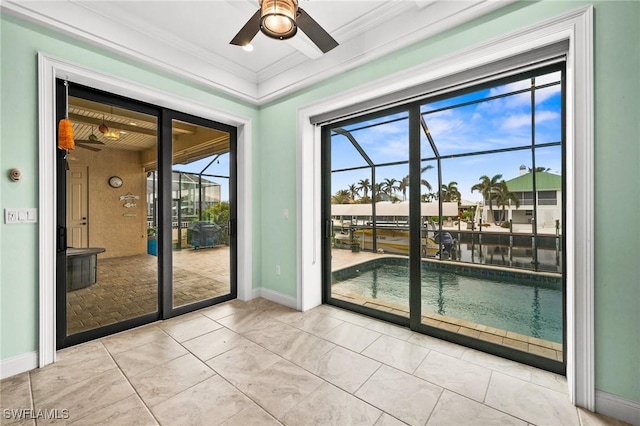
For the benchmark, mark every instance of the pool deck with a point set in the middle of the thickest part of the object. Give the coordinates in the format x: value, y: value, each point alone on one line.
x: 344, y: 258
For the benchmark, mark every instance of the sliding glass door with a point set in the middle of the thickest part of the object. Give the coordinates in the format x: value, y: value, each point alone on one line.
x: 146, y: 213
x: 447, y: 215
x: 202, y: 212
x: 368, y: 192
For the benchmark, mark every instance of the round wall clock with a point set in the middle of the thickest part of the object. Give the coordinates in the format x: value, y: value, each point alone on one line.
x: 115, y: 181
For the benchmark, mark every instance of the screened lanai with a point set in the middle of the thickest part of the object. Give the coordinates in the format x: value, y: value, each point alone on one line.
x: 449, y: 210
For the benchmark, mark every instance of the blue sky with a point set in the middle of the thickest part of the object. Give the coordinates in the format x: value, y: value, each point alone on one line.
x: 489, y: 125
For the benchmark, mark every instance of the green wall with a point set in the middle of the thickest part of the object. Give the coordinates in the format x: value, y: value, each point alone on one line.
x: 617, y: 142
x: 20, y: 43
x: 617, y: 156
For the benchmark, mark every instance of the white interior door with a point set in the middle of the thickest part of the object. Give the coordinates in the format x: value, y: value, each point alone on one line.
x: 77, y: 207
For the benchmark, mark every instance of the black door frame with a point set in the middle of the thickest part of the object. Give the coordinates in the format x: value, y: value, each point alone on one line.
x: 414, y: 321
x: 165, y: 273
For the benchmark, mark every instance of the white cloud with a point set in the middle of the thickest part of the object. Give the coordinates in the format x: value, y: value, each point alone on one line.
x: 515, y: 121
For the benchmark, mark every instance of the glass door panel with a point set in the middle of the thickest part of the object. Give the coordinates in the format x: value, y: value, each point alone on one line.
x: 489, y: 164
x: 369, y: 214
x: 497, y: 275
x: 111, y: 276
x: 201, y: 191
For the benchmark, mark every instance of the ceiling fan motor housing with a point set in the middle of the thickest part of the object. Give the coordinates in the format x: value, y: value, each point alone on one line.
x: 278, y: 18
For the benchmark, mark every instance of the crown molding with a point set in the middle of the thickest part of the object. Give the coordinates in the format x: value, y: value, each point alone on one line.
x: 82, y: 24
x: 402, y: 26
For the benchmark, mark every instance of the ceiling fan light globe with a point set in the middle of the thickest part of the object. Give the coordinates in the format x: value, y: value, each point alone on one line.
x: 278, y: 18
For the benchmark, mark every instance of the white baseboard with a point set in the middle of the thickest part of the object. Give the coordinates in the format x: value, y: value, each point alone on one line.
x: 18, y: 364
x: 275, y: 296
x: 618, y: 407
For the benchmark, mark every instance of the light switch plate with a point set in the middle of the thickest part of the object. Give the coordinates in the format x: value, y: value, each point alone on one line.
x: 25, y: 215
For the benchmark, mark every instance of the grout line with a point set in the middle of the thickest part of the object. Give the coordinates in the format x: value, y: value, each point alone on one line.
x: 135, y: 391
x: 486, y: 391
x: 435, y: 405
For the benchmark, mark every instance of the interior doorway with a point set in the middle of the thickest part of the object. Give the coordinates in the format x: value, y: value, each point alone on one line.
x: 77, y: 206
x: 139, y: 238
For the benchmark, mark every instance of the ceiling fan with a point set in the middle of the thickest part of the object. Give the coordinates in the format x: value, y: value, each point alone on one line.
x: 280, y: 19
x: 86, y: 143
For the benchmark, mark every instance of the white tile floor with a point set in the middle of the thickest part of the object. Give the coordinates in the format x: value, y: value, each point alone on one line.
x: 259, y: 363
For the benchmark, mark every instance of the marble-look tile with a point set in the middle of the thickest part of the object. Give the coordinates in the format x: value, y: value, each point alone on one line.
x: 129, y: 411
x: 133, y: 338
x: 83, y: 348
x: 190, y: 328
x: 273, y: 336
x: 533, y: 403
x: 74, y: 368
x: 438, y: 345
x: 15, y: 394
x: 588, y: 418
x: 312, y: 322
x: 84, y: 398
x: 343, y: 315
x: 387, y: 420
x: 214, y: 343
x: 496, y: 363
x: 456, y: 410
x: 166, y: 380
x: 550, y: 380
x: 344, y: 368
x: 280, y: 387
x: 351, y: 336
x: 145, y: 357
x: 392, y: 330
x: 268, y: 307
x: 210, y: 402
x: 396, y: 353
x: 246, y: 322
x: 460, y: 376
x: 15, y: 391
x: 301, y: 348
x: 225, y: 309
x: 252, y: 416
x: 405, y: 397
x: 329, y: 405
x: 241, y: 364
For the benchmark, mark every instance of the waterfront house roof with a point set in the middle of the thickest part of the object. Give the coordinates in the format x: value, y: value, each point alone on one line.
x: 544, y: 182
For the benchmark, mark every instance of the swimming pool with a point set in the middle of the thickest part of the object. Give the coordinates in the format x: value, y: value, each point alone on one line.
x: 529, y: 304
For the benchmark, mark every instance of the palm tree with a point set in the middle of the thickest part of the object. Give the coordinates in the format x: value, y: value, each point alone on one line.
x: 379, y: 190
x: 390, y: 187
x: 402, y: 187
x: 353, y: 191
x: 450, y: 192
x: 424, y: 181
x: 504, y: 197
x: 365, y: 186
x: 341, y: 197
x: 488, y: 187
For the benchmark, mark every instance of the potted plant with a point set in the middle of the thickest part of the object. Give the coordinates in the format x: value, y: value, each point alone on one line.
x: 152, y: 240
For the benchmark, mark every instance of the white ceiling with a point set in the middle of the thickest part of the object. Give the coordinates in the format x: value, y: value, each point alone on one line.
x: 191, y: 38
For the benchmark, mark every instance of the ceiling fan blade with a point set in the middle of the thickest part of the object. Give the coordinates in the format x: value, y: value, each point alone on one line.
x: 248, y: 32
x: 90, y: 142
x: 90, y: 148
x: 315, y: 32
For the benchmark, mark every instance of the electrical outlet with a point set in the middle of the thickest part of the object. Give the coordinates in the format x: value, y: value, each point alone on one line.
x: 285, y: 213
x: 277, y: 269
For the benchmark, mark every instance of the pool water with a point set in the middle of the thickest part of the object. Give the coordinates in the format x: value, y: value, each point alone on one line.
x: 519, y: 305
